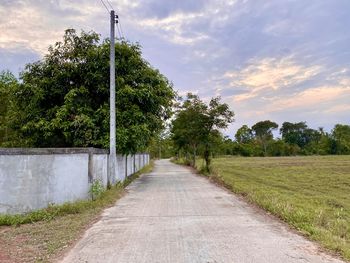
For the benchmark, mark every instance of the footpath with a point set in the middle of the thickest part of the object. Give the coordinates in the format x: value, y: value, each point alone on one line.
x: 172, y: 215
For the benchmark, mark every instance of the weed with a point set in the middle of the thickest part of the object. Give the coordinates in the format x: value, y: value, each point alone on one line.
x: 96, y: 189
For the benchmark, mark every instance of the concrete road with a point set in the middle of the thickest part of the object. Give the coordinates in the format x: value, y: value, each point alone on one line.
x: 172, y: 215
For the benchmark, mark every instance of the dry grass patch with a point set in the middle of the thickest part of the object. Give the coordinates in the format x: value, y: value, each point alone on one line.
x: 311, y: 193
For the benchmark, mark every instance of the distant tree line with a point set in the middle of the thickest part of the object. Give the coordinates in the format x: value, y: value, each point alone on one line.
x: 196, y: 130
x: 295, y: 139
x: 63, y: 99
x: 162, y: 146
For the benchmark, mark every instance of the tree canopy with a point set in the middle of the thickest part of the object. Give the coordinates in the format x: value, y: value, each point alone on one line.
x: 341, y: 139
x: 263, y: 131
x: 7, y: 83
x: 297, y: 138
x: 63, y: 99
x: 244, y: 134
x: 197, y: 125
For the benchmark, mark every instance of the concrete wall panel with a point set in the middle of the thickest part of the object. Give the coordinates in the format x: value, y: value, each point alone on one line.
x: 137, y: 162
x: 29, y: 182
x: 130, y: 161
x: 99, y: 168
x: 120, y: 167
x: 31, y: 179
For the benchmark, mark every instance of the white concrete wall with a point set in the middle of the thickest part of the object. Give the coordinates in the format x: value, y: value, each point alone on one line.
x: 35, y: 178
x: 130, y: 165
x: 29, y: 182
x: 120, y: 167
x: 137, y: 162
x: 99, y: 169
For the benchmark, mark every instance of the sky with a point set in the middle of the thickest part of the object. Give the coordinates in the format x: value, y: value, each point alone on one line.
x: 279, y: 60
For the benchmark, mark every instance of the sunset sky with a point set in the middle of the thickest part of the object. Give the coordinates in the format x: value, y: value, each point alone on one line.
x: 280, y: 60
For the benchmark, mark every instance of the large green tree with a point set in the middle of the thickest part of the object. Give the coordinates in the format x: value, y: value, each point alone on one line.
x: 8, y: 83
x: 263, y: 132
x: 197, y: 125
x: 187, y: 127
x: 341, y: 139
x: 300, y: 134
x: 244, y: 134
x: 63, y: 99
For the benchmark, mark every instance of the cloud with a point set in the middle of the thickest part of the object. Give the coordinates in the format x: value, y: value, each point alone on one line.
x: 173, y: 26
x: 38, y: 24
x: 269, y: 74
x: 278, y: 60
x: 184, y: 23
x: 284, y: 26
x: 339, y: 108
x: 310, y: 98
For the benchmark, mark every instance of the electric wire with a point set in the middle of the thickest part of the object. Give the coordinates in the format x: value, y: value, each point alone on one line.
x: 120, y: 35
x: 105, y: 6
x: 119, y: 25
x: 109, y: 4
x: 121, y: 29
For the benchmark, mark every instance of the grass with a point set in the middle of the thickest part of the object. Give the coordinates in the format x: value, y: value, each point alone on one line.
x: 311, y: 193
x: 42, y: 235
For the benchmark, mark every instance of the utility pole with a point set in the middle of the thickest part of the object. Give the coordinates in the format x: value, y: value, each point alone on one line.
x: 112, y: 126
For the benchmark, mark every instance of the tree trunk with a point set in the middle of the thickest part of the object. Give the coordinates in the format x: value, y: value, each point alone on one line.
x: 265, y: 148
x: 207, y: 159
x: 194, y: 158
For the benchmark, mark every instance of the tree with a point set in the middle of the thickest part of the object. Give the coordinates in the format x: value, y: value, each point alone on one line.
x: 198, y: 124
x: 245, y: 143
x: 64, y: 98
x: 225, y: 146
x: 8, y: 83
x: 161, y: 146
x: 244, y: 134
x: 263, y: 132
x: 187, y: 126
x: 325, y: 142
x: 293, y: 133
x: 299, y: 134
x: 341, y: 137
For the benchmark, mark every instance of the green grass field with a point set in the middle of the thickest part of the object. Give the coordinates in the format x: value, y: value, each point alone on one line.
x: 310, y: 193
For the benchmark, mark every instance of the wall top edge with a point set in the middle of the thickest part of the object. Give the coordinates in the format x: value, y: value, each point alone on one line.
x: 45, y: 151
x: 42, y: 151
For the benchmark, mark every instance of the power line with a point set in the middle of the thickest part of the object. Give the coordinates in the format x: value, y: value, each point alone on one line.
x: 105, y: 6
x: 119, y: 26
x: 109, y: 4
x: 120, y: 32
x: 121, y: 29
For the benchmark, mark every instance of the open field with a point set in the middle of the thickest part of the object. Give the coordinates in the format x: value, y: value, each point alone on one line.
x: 310, y: 193
x: 43, y: 235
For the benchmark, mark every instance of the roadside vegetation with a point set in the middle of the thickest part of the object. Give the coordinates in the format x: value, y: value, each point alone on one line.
x: 62, y: 100
x: 309, y: 190
x: 311, y: 193
x: 196, y: 130
x: 295, y: 139
x: 261, y: 140
x: 43, y: 235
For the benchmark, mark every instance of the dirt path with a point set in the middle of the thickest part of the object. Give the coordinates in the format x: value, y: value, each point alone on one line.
x: 172, y: 215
